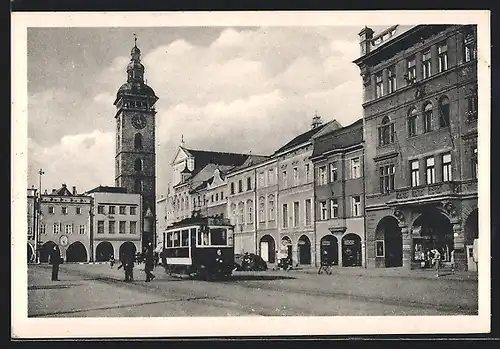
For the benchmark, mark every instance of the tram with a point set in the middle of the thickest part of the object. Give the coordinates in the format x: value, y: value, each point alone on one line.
x: 201, y: 246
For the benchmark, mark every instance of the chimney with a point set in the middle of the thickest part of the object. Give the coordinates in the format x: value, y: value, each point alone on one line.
x: 74, y: 190
x: 45, y: 193
x: 64, y: 185
x: 365, y: 40
x: 53, y: 191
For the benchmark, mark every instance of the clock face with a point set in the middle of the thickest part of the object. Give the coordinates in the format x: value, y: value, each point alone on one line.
x: 63, y: 240
x: 139, y: 121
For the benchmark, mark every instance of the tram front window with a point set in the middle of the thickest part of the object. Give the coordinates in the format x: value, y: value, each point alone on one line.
x: 219, y: 236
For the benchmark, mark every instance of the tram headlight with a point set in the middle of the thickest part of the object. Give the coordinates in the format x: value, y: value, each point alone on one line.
x: 219, y: 252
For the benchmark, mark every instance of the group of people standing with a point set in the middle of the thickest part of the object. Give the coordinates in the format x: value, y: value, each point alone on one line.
x: 128, y: 260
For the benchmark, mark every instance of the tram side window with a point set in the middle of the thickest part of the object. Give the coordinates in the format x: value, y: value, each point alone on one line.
x: 219, y: 236
x: 177, y: 240
x: 203, y: 239
x: 185, y: 238
x: 169, y: 239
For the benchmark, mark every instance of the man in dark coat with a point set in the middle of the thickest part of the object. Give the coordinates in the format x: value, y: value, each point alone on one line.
x: 55, y: 260
x: 149, y: 263
x: 128, y: 266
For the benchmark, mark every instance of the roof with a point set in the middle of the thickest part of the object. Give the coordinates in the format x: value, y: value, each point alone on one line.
x: 302, y: 138
x: 251, y: 161
x: 105, y: 189
x: 63, y: 191
x: 339, y: 139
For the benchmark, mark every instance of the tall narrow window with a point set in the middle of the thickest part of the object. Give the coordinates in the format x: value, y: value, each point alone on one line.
x: 240, y: 186
x: 444, y: 112
x: 430, y: 171
x: 391, y: 76
x: 82, y: 229
x: 133, y: 227
x: 334, y: 208
x: 471, y: 112
x: 121, y: 227
x: 56, y: 228
x: 111, y: 227
x: 356, y: 206
x: 446, y: 167
x: 285, y: 216
x: 138, y: 186
x: 426, y: 64
x: 308, y: 212
x: 427, y: 119
x: 262, y: 209
x: 138, y: 165
x: 442, y: 57
x: 474, y: 159
x: 323, y: 210
x: 271, y: 216
x: 333, y: 173
x: 270, y: 177
x: 387, y: 178
x: 138, y: 141
x: 250, y: 211
x: 232, y: 188
x: 322, y: 175
x: 379, y: 85
x: 412, y: 122
x: 285, y: 181
x: 295, y: 176
x: 262, y: 182
x: 249, y: 183
x: 307, y: 168
x: 43, y: 228
x: 386, y: 132
x: 241, y: 208
x: 296, y: 215
x: 411, y: 70
x: 470, y: 47
x: 415, y: 175
x: 100, y: 227
x: 355, y: 168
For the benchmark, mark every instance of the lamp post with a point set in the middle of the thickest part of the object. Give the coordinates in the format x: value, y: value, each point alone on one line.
x: 39, y: 217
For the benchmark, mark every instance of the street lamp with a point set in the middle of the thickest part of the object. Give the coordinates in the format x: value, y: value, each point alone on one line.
x: 39, y: 217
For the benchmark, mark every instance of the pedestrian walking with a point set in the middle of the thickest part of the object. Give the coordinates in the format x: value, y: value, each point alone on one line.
x: 128, y: 266
x: 55, y: 260
x: 149, y: 262
x: 436, y: 260
x: 112, y: 261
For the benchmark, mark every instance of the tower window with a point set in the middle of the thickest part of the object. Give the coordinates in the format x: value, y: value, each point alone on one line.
x: 138, y: 187
x: 138, y: 141
x: 138, y: 165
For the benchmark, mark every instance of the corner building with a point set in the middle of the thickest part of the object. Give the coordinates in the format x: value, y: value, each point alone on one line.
x: 420, y: 132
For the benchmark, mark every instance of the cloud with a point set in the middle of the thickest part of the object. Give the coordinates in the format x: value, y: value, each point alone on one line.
x: 246, y: 90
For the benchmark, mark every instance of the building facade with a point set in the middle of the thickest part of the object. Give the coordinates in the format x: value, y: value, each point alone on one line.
x: 116, y: 221
x: 135, y: 167
x: 339, y: 196
x: 64, y: 221
x: 420, y: 131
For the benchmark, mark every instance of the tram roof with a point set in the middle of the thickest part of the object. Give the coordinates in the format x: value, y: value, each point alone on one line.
x: 200, y: 220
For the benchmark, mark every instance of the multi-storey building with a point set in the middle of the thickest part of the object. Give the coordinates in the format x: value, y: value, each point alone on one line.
x: 161, y: 219
x: 210, y: 197
x: 116, y: 222
x: 420, y: 131
x: 32, y: 224
x: 64, y: 221
x: 135, y: 167
x: 339, y: 195
x: 296, y: 194
x: 241, y: 204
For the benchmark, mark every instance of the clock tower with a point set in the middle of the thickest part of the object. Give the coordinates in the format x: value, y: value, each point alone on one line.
x: 135, y: 141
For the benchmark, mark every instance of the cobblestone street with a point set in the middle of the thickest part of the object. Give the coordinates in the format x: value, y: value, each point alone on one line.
x: 97, y: 290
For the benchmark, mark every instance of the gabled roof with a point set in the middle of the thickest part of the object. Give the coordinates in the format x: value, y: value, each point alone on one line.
x: 251, y: 161
x: 106, y: 189
x: 300, y: 139
x: 63, y: 191
x: 339, y: 139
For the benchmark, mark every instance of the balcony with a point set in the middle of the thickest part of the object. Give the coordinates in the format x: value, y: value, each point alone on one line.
x: 426, y: 191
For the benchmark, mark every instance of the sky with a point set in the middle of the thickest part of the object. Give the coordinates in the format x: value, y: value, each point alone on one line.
x: 233, y: 89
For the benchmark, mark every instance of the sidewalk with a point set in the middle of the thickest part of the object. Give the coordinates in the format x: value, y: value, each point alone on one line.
x: 401, y: 272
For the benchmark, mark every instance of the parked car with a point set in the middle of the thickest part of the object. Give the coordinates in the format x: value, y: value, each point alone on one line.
x: 249, y: 262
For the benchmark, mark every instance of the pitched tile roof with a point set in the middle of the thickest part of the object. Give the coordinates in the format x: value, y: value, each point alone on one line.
x: 338, y: 139
x: 106, y: 189
x: 302, y: 138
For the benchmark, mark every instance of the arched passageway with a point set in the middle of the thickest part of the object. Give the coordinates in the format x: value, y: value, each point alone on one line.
x: 304, y: 250
x: 76, y: 252
x: 268, y: 249
x: 104, y: 251
x: 329, y: 250
x: 45, y: 251
x: 351, y: 250
x: 286, y: 246
x: 127, y: 248
x: 389, y: 233
x: 435, y: 232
